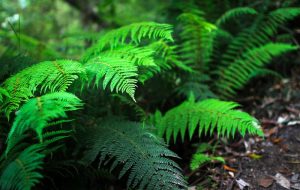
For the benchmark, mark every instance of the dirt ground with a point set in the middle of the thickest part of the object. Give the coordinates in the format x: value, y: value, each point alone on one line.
x: 273, y: 162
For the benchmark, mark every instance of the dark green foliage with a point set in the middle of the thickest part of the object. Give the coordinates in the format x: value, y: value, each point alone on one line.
x: 142, y: 155
x: 22, y: 173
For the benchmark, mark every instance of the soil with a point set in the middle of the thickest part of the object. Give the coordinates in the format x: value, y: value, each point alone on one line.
x: 278, y: 110
x: 258, y: 162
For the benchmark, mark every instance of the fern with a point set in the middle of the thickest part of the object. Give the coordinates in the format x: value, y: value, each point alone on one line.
x: 235, y: 76
x: 120, y: 73
x: 37, y: 114
x: 200, y: 159
x: 136, y: 32
x: 22, y: 173
x: 197, y: 36
x: 207, y: 115
x: 48, y: 76
x: 235, y: 13
x: 142, y: 155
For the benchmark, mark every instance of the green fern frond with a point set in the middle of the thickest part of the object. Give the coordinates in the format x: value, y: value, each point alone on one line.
x: 38, y: 112
x: 234, y: 13
x: 167, y: 56
x: 22, y: 172
x: 136, y: 32
x: 238, y: 73
x: 199, y: 159
x: 197, y: 36
x: 3, y: 94
x: 279, y: 17
x: 141, y: 154
x: 260, y: 33
x: 207, y: 115
x: 48, y: 76
x: 120, y: 73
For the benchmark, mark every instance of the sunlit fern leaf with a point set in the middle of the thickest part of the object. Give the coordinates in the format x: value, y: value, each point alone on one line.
x: 238, y: 73
x: 48, y: 76
x: 141, y: 154
x: 132, y: 33
x: 235, y: 13
x: 207, y: 115
x: 38, y: 112
x: 120, y: 73
x: 22, y: 173
x: 138, y: 55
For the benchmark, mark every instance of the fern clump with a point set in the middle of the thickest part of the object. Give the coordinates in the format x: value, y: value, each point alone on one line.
x: 142, y: 155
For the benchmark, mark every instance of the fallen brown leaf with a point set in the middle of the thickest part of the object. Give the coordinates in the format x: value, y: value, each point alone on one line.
x: 229, y: 168
x: 265, y: 182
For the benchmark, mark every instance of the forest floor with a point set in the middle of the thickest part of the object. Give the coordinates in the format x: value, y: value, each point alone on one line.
x: 272, y: 163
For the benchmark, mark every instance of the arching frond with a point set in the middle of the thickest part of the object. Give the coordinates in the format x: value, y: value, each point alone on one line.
x: 141, y: 154
x: 207, y: 116
x: 48, y: 76
x: 234, y: 13
x: 238, y: 73
x: 134, y: 33
x: 120, y: 73
x: 39, y: 112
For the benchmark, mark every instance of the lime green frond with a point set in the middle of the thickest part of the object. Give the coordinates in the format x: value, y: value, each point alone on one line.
x: 199, y: 159
x: 22, y: 173
x: 279, y: 17
x: 207, y: 115
x: 48, y: 76
x: 38, y: 112
x: 238, y: 73
x: 142, y: 155
x: 120, y: 73
x: 135, y: 33
x: 235, y: 13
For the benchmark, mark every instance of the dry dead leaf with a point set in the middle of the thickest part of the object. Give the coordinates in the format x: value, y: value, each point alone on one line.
x: 282, y: 181
x: 242, y: 184
x: 265, y: 182
x: 229, y: 168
